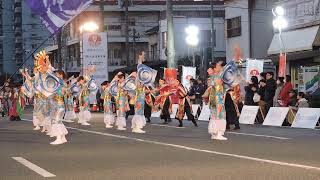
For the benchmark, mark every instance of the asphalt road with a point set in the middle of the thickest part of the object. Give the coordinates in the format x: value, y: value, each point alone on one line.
x: 163, y: 153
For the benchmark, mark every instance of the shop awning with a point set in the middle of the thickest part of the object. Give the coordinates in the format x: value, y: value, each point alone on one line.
x: 296, y: 40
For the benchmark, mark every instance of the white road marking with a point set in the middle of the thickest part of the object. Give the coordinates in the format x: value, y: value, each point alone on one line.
x: 162, y: 125
x: 34, y: 167
x: 259, y: 135
x: 203, y: 150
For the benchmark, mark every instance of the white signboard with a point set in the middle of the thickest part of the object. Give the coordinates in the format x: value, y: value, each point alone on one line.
x: 306, y: 118
x: 205, y: 113
x: 248, y: 114
x: 276, y: 116
x: 174, y: 111
x: 95, y: 53
x: 195, y: 108
x: 254, y: 68
x: 187, y: 71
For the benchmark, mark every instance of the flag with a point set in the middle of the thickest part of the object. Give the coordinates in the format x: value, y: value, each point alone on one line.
x: 56, y: 13
x: 231, y: 75
x: 146, y: 75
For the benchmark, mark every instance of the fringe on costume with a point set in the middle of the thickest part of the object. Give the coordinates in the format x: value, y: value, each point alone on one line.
x: 138, y: 121
x: 84, y: 116
x: 109, y: 119
x: 70, y: 115
x: 121, y: 122
x: 58, y: 129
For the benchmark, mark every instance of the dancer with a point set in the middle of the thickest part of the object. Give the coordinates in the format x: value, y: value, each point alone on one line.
x: 184, y: 105
x: 58, y: 129
x: 139, y: 120
x: 149, y: 103
x: 70, y: 115
x: 122, y: 103
x: 17, y: 106
x: 84, y: 114
x: 163, y: 101
x: 215, y: 93
x: 107, y: 104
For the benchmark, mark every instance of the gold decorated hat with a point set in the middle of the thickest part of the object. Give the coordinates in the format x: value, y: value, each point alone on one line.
x: 41, y: 61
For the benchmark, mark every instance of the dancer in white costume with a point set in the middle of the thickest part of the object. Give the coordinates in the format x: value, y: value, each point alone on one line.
x: 58, y: 129
x: 139, y: 120
x: 122, y: 103
x: 107, y: 105
x: 84, y: 114
x: 70, y: 115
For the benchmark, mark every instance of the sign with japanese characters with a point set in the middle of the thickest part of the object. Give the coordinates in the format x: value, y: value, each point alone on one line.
x: 95, y: 53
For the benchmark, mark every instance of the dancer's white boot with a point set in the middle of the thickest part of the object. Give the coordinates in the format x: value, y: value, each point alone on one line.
x: 58, y: 141
x: 220, y: 137
x: 37, y: 128
x: 137, y: 130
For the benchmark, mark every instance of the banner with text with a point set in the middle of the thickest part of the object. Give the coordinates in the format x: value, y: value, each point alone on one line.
x: 95, y: 53
x: 254, y: 68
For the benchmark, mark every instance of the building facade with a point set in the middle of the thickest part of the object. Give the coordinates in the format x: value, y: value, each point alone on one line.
x: 21, y: 32
x: 147, y: 29
x: 301, y: 39
x: 248, y: 26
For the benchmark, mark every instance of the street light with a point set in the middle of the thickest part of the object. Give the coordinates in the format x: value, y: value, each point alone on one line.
x: 89, y: 27
x: 279, y: 22
x: 192, y: 38
x: 86, y: 27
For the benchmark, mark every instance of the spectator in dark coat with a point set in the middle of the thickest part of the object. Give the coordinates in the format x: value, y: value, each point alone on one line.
x: 250, y: 90
x: 232, y: 111
x: 270, y: 90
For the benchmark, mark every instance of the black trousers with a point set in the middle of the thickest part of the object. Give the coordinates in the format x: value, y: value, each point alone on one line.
x: 165, y: 114
x: 147, y: 111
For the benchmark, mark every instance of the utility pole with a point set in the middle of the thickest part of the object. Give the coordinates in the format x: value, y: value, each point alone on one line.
x: 212, y: 31
x: 59, y: 38
x: 170, y: 36
x: 134, y: 44
x: 126, y: 19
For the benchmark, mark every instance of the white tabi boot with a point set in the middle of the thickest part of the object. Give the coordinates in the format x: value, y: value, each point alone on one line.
x: 57, y: 141
x: 37, y: 128
x: 137, y: 130
x: 220, y: 137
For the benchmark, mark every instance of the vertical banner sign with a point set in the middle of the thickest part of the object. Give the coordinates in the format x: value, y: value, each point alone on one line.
x: 187, y: 72
x: 254, y: 68
x: 282, y: 65
x: 311, y: 80
x: 95, y: 53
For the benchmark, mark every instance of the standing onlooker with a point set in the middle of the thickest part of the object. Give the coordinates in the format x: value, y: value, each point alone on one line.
x: 270, y: 90
x: 293, y: 98
x: 250, y: 90
x: 2, y: 103
x: 284, y: 93
x: 232, y: 110
x: 199, y: 91
x: 261, y: 102
x: 280, y: 84
x: 302, y: 101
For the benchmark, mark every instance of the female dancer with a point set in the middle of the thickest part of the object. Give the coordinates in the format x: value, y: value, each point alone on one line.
x: 68, y: 98
x: 139, y: 120
x: 107, y: 105
x: 84, y: 114
x: 122, y: 103
x: 58, y: 129
x: 217, y: 124
x: 184, y: 105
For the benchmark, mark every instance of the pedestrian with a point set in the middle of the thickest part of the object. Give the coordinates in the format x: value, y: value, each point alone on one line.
x: 270, y: 90
x: 17, y: 104
x: 293, y: 98
x: 250, y: 91
x: 284, y: 97
x: 185, y: 106
x: 109, y: 118
x: 232, y: 110
x: 280, y: 84
x: 2, y: 103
